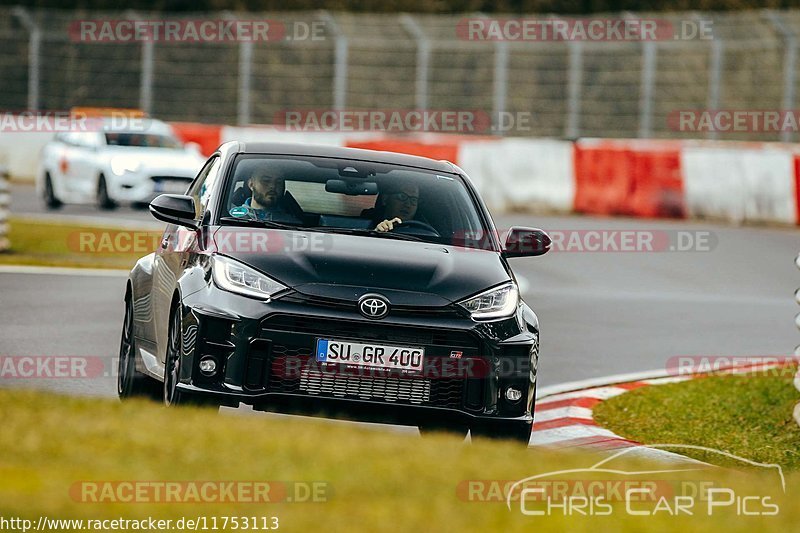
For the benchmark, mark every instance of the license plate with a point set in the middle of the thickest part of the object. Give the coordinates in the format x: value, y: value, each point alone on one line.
x: 367, y: 354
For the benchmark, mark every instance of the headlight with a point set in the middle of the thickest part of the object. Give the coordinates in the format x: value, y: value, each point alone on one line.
x: 495, y: 303
x: 236, y: 277
x: 121, y: 165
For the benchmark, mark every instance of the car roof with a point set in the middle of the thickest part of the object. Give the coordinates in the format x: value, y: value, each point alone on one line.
x: 359, y: 154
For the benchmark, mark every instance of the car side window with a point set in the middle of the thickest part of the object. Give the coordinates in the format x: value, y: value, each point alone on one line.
x: 203, y: 185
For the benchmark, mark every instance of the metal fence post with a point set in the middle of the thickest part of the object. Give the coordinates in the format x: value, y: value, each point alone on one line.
x: 34, y: 45
x: 5, y: 200
x: 339, y: 61
x: 146, y: 79
x: 574, y: 82
x: 145, y: 68
x: 245, y: 76
x: 789, y: 60
x: 715, y: 78
x: 423, y: 59
x: 500, y: 84
x: 649, y: 58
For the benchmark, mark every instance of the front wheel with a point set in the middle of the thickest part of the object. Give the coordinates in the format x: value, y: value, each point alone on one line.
x: 130, y: 383
x: 104, y: 200
x: 172, y: 369
x: 49, y: 195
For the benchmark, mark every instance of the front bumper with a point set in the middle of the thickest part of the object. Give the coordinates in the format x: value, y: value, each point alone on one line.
x: 264, y: 354
x: 144, y: 187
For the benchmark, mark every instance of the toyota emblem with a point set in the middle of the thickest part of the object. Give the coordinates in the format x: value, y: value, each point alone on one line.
x: 373, y: 306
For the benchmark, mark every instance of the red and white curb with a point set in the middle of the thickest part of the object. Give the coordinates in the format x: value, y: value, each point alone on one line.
x: 563, y: 417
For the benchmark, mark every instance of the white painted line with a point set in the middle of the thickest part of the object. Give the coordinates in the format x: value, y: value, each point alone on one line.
x: 664, y: 381
x: 548, y: 392
x: 103, y: 222
x: 563, y: 412
x: 63, y: 271
x: 599, y: 393
x: 577, y: 431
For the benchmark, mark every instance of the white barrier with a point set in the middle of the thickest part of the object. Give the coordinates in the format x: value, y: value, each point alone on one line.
x: 739, y: 184
x: 535, y: 174
x: 21, y: 152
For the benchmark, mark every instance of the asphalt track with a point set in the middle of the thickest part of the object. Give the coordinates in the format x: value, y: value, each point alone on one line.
x: 601, y: 312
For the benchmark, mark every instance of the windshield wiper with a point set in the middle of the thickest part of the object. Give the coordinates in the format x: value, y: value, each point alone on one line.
x: 259, y: 223
x: 367, y: 232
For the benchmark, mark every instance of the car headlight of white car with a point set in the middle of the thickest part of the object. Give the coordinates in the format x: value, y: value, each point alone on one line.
x: 233, y: 276
x: 121, y: 165
x: 498, y: 302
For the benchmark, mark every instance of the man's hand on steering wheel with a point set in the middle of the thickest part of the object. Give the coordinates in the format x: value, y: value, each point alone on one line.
x: 388, y: 225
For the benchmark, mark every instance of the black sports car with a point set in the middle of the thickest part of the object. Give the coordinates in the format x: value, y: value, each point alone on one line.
x: 334, y: 281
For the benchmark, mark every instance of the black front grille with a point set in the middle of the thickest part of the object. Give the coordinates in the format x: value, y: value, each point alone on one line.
x: 350, y: 305
x: 375, y: 331
x: 292, y: 370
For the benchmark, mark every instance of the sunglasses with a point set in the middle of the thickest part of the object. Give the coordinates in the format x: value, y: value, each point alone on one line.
x: 406, y: 199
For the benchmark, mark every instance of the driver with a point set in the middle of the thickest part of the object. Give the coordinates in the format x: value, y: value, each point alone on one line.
x: 266, y: 202
x: 400, y: 203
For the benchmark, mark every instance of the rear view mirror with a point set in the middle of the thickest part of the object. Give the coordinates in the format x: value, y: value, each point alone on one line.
x: 526, y: 242
x: 174, y: 209
x: 352, y: 187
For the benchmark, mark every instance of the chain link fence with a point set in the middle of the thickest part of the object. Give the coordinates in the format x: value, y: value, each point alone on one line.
x: 569, y: 89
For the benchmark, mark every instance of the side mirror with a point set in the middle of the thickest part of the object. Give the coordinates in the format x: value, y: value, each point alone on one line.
x: 175, y: 209
x: 526, y: 242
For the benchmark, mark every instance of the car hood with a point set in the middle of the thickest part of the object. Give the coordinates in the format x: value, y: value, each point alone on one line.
x: 160, y: 160
x: 348, y: 266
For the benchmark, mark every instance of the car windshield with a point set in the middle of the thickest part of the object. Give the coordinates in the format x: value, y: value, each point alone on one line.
x: 344, y: 196
x: 142, y: 140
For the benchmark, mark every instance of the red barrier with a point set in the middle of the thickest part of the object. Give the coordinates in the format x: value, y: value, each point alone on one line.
x: 206, y: 135
x: 435, y: 150
x: 631, y: 178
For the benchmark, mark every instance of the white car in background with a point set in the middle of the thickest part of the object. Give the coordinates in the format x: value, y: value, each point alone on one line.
x: 113, y: 165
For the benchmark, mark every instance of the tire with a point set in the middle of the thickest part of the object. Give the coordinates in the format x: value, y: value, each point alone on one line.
x: 49, y: 195
x: 171, y: 395
x: 516, y: 431
x: 130, y: 382
x: 104, y: 201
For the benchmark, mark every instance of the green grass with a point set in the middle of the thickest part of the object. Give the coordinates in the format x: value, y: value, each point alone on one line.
x: 68, y: 245
x: 377, y: 480
x: 749, y: 416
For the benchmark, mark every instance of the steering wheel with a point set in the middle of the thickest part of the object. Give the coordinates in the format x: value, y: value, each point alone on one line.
x: 417, y: 225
